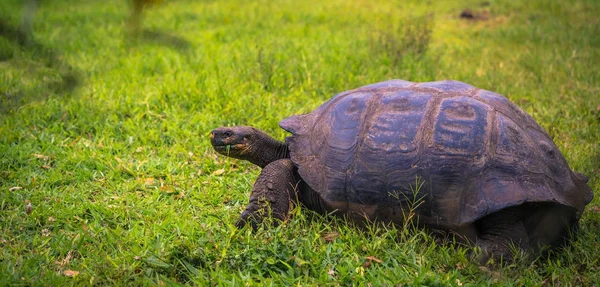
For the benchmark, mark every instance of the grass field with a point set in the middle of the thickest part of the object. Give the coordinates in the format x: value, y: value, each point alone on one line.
x: 107, y: 176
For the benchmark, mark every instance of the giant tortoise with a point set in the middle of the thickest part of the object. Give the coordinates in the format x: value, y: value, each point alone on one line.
x: 462, y: 160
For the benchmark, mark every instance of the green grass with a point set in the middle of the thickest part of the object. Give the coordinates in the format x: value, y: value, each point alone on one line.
x: 107, y: 136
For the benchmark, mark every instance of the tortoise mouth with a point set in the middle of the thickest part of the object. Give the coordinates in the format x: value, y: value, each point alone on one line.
x: 229, y: 148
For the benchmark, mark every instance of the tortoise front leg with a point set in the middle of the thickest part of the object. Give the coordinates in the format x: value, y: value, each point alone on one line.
x: 273, y: 193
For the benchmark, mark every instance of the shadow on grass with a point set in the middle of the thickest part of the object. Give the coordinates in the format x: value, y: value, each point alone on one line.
x: 37, y: 75
x: 163, y: 38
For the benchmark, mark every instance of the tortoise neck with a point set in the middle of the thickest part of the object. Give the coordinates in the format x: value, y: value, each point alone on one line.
x: 267, y: 150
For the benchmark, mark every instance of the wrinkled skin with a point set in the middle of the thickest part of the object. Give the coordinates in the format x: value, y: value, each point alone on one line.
x: 279, y: 187
x: 248, y: 143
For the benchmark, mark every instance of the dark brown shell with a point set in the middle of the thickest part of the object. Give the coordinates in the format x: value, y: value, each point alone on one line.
x: 472, y: 152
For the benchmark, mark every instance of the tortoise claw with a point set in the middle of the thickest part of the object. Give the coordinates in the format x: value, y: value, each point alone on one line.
x: 247, y: 218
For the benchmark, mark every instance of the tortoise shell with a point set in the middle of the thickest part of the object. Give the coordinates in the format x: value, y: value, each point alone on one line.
x: 462, y: 152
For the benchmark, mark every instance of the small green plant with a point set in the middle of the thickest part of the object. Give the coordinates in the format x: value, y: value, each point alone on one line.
x: 409, y: 202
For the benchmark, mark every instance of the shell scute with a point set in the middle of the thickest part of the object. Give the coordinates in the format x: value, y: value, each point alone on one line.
x: 461, y: 127
x: 397, y: 122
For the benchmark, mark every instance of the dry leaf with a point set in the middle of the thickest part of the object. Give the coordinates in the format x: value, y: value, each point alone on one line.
x: 15, y: 188
x: 366, y: 264
x: 330, y: 236
x: 167, y: 188
x: 51, y: 219
x: 71, y: 273
x: 494, y: 274
x: 360, y: 270
x: 149, y: 180
x: 28, y: 207
x: 595, y: 209
x: 65, y: 261
x: 218, y: 172
x: 373, y: 258
x: 46, y: 167
x: 40, y: 156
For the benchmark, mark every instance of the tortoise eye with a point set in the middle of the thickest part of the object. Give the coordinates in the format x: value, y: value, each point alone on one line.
x: 228, y: 133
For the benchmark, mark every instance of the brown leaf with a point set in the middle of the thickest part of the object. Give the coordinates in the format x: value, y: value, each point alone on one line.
x: 494, y: 274
x: 28, y: 207
x: 595, y: 209
x: 331, y: 272
x: 71, y: 273
x: 330, y: 236
x: 66, y: 260
x: 149, y: 180
x: 167, y: 188
x: 373, y: 258
x: 46, y: 167
x: 40, y: 156
x: 218, y: 172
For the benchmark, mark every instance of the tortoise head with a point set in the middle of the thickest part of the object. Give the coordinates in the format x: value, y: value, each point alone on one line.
x: 247, y: 143
x: 235, y: 142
